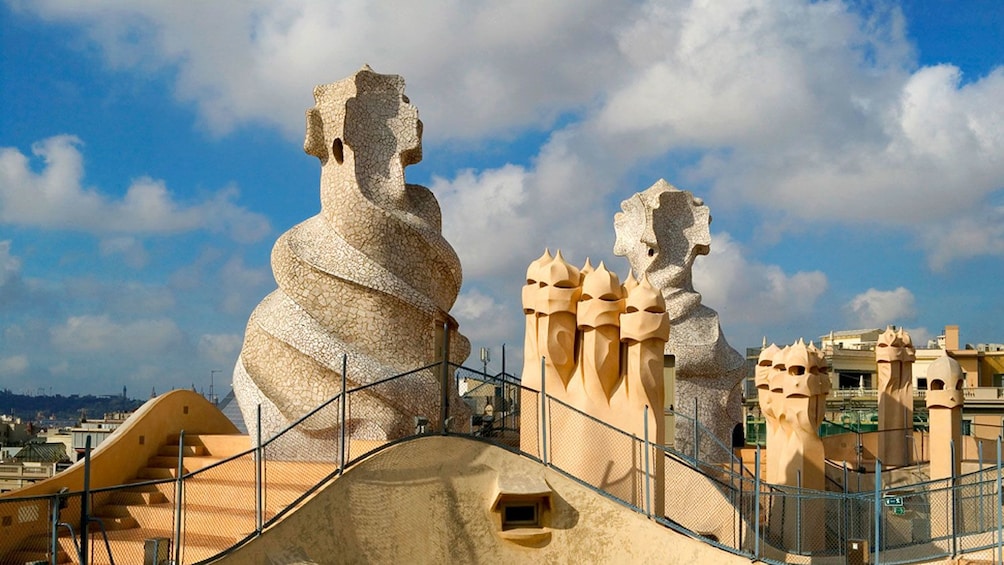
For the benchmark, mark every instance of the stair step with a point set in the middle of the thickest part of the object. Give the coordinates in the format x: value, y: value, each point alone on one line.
x: 127, y: 547
x: 154, y: 473
x: 137, y: 497
x: 192, y: 463
x: 28, y: 556
x: 171, y: 450
x: 217, y: 445
x: 114, y: 523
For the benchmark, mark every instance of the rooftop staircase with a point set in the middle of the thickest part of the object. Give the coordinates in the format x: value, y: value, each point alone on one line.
x: 218, y: 502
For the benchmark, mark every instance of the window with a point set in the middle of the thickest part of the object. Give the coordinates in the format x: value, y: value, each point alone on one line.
x: 520, y: 514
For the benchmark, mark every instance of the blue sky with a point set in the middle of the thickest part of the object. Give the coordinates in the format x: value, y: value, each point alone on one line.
x: 852, y: 154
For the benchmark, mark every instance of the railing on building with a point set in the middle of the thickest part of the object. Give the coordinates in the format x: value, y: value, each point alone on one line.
x: 900, y: 524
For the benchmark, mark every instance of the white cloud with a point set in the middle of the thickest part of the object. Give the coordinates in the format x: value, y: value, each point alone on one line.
x: 961, y: 237
x: 13, y: 366
x: 486, y: 321
x: 878, y: 308
x: 919, y: 336
x: 797, y: 113
x: 749, y: 293
x: 129, y: 248
x: 55, y: 198
x: 100, y: 334
x: 221, y: 349
x: 807, y: 112
x: 473, y: 70
x: 10, y: 265
x: 242, y: 286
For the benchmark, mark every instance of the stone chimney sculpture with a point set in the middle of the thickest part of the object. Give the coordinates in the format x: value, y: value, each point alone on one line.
x: 662, y: 231
x: 777, y: 442
x: 601, y: 343
x: 802, y: 458
x: 944, y: 406
x: 894, y: 356
x: 764, y: 368
x: 370, y: 276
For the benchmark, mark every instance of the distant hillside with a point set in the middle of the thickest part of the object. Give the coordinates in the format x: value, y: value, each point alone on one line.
x: 61, y: 408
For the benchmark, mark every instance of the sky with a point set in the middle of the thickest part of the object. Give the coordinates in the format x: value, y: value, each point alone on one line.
x: 851, y: 153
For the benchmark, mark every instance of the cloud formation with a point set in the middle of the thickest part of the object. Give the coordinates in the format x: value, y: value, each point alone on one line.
x: 787, y: 116
x: 55, y: 198
x: 879, y: 308
x: 102, y: 335
x: 751, y: 296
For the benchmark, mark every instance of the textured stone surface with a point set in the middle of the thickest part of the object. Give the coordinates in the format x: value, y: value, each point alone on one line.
x: 370, y: 277
x: 430, y: 501
x: 661, y: 231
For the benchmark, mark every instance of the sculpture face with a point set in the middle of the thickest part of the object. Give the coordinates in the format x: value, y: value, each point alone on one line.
x: 908, y: 353
x: 889, y: 347
x: 765, y: 363
x: 661, y: 231
x: 799, y: 380
x: 946, y: 379
x: 378, y: 122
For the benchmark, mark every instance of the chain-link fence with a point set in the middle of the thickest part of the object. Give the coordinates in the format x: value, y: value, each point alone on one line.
x: 896, y: 520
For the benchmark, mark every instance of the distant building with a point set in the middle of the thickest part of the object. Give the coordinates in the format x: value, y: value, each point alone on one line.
x: 32, y: 463
x: 850, y: 356
x: 96, y: 430
x: 13, y: 431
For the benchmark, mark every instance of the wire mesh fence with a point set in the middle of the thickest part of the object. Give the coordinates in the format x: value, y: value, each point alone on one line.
x: 898, y: 521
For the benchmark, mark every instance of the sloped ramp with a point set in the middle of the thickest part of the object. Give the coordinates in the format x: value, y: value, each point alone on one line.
x: 430, y: 500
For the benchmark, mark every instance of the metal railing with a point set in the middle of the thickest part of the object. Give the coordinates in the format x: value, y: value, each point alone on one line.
x: 739, y: 512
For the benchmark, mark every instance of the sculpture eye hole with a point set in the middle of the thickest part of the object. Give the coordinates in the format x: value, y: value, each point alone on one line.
x: 651, y: 252
x: 336, y: 150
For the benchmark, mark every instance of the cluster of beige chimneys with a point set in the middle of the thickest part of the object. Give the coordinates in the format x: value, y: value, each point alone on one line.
x: 602, y: 348
x: 792, y: 384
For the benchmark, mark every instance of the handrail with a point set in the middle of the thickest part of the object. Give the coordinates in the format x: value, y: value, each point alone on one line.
x: 722, y: 476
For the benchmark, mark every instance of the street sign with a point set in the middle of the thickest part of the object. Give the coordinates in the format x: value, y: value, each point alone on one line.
x: 894, y: 501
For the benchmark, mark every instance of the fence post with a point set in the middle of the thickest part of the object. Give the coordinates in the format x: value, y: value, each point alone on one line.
x: 1000, y: 507
x: 878, y: 508
x: 506, y: 393
x: 341, y: 457
x: 845, y: 509
x: 178, y: 493
x: 951, y: 499
x: 54, y: 522
x: 979, y: 451
x: 259, y: 502
x: 543, y: 415
x: 444, y: 401
x: 697, y: 432
x: 798, y: 512
x: 756, y: 505
x: 85, y: 502
x: 648, y: 493
x: 741, y: 504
